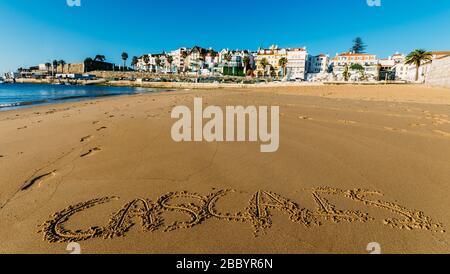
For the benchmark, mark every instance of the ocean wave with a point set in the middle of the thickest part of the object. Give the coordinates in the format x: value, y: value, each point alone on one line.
x: 51, y: 100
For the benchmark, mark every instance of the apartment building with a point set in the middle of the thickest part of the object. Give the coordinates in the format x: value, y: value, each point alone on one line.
x: 296, y: 63
x: 344, y: 62
x: 272, y: 56
x: 178, y: 59
x: 317, y: 67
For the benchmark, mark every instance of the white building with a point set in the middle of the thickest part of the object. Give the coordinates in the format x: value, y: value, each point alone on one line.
x: 211, y: 59
x: 178, y: 60
x: 424, y: 68
x: 236, y: 61
x: 44, y: 67
x: 344, y: 62
x: 195, y: 60
x: 296, y: 65
x: 156, y: 63
x: 317, y: 67
x: 399, y: 66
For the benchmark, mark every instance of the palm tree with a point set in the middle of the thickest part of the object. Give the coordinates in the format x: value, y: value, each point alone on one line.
x: 184, y: 55
x: 55, y: 66
x: 134, y: 62
x: 124, y: 58
x: 360, y: 69
x: 264, y: 63
x: 282, y: 63
x: 228, y: 58
x: 346, y: 73
x: 170, y: 61
x: 48, y: 66
x: 157, y: 62
x: 62, y: 63
x: 100, y: 58
x: 417, y: 57
x: 147, y: 61
x: 246, y: 62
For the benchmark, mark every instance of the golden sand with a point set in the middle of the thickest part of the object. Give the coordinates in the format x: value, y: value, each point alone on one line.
x: 355, y: 165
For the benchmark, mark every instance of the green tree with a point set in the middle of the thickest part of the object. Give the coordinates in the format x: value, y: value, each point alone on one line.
x: 134, y: 62
x: 169, y: 59
x: 417, y: 57
x: 48, y: 66
x: 360, y: 69
x: 358, y: 45
x: 55, y: 66
x: 124, y: 58
x: 228, y: 56
x: 100, y: 58
x: 62, y: 63
x: 246, y: 62
x: 158, y: 62
x: 146, y: 59
x: 346, y: 73
x: 264, y: 63
x: 184, y: 55
x: 282, y: 63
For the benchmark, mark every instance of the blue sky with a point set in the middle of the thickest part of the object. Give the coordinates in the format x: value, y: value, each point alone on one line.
x: 38, y: 31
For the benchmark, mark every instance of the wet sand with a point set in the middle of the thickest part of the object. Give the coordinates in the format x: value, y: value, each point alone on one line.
x: 356, y: 165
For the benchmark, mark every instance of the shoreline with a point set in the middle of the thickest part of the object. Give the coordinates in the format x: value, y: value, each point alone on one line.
x: 437, y: 96
x: 71, y: 98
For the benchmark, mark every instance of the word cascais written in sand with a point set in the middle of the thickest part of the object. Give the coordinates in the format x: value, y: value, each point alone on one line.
x: 215, y: 130
x: 151, y: 215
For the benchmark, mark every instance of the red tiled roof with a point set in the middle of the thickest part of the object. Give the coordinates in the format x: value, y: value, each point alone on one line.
x: 355, y: 54
x: 440, y: 52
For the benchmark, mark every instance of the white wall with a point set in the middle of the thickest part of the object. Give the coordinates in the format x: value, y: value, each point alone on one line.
x: 439, y: 73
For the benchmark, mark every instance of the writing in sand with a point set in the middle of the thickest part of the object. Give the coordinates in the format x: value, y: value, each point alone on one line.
x: 151, y: 214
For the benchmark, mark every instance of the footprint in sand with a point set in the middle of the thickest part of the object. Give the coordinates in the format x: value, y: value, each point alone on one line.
x: 440, y: 121
x: 346, y: 122
x: 101, y: 128
x: 395, y: 129
x: 2, y: 156
x: 90, y: 152
x: 24, y: 127
x: 95, y: 122
x: 38, y: 180
x: 417, y: 125
x: 305, y: 117
x: 443, y: 133
x: 85, y: 138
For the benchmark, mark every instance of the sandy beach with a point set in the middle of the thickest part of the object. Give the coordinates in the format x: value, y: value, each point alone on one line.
x: 356, y: 164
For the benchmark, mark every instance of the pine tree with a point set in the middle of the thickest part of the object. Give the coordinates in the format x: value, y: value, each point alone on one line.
x: 358, y: 45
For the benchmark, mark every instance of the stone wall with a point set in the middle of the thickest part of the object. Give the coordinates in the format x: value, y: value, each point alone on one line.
x: 439, y: 74
x: 72, y: 68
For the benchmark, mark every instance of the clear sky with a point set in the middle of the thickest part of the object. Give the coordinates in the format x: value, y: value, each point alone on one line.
x: 38, y: 31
